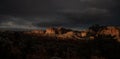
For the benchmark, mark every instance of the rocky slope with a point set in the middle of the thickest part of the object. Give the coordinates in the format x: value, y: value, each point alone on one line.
x: 59, y: 32
x: 63, y: 33
x: 110, y: 30
x: 61, y: 43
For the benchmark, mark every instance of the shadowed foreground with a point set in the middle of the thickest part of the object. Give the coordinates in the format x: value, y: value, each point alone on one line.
x: 18, y: 45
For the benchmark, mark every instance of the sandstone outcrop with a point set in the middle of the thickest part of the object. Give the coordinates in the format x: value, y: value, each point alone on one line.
x: 50, y: 31
x: 64, y: 33
x: 110, y: 30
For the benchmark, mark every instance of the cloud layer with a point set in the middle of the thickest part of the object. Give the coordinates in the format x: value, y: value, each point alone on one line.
x: 66, y: 13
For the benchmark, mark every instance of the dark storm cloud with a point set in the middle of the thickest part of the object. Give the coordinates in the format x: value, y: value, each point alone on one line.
x: 33, y: 21
x: 26, y: 6
x: 69, y: 13
x: 93, y: 11
x: 46, y: 6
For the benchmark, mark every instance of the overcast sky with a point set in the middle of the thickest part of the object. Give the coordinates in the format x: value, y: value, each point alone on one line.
x: 66, y: 13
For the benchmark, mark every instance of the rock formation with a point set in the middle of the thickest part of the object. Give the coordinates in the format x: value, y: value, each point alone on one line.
x: 61, y: 30
x: 83, y: 33
x: 70, y: 34
x: 64, y: 33
x: 51, y: 31
x: 110, y: 30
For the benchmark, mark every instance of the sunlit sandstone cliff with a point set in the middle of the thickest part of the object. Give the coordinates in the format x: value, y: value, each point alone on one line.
x: 110, y: 30
x: 59, y: 32
x: 63, y: 33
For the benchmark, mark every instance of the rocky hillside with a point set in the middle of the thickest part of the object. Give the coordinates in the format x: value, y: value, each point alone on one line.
x: 59, y: 32
x: 91, y: 33
x: 97, y: 42
x: 110, y: 30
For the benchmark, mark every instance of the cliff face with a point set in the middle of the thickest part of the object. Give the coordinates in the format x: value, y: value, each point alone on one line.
x: 71, y: 34
x: 62, y: 30
x: 50, y: 31
x: 60, y: 42
x: 110, y: 30
x: 57, y: 32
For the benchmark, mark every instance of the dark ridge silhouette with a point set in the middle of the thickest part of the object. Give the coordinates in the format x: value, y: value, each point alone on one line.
x: 60, y: 43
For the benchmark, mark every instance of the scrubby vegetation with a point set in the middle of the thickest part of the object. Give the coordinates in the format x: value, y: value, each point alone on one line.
x: 17, y: 45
